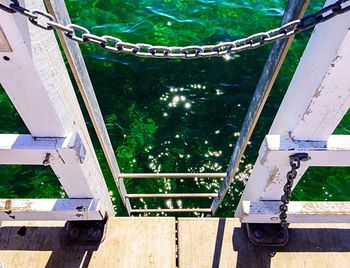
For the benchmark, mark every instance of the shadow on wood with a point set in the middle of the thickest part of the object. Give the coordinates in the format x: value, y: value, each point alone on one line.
x: 222, y: 242
x: 304, y: 241
x: 30, y: 240
x: 146, y: 242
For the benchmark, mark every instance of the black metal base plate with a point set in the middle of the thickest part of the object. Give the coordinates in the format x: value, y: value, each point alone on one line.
x: 264, y: 234
x: 85, y: 233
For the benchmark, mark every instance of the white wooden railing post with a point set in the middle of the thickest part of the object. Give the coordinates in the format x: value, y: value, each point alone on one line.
x: 316, y: 101
x: 35, y: 78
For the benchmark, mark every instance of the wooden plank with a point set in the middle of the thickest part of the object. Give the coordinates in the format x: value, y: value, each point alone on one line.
x: 81, y: 75
x: 298, y: 212
x: 294, y: 10
x: 276, y: 149
x: 206, y: 242
x: 320, y: 66
x: 49, y: 105
x: 130, y: 242
x: 50, y: 209
x: 220, y: 242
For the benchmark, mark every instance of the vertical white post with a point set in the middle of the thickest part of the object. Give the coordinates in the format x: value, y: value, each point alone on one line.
x: 35, y: 78
x: 317, y: 99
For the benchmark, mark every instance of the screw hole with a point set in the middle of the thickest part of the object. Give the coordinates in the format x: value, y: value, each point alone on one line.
x: 6, y: 58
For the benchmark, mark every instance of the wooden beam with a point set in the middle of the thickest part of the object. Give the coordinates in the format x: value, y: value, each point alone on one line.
x: 298, y: 212
x: 37, y: 81
x: 16, y: 149
x: 23, y: 82
x: 50, y: 210
x: 319, y: 85
x: 276, y: 149
x: 76, y: 62
x: 318, y: 95
x: 294, y: 10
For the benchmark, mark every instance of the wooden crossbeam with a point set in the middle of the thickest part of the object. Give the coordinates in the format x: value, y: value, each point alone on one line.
x: 298, y: 212
x: 16, y: 149
x: 335, y: 151
x: 50, y: 209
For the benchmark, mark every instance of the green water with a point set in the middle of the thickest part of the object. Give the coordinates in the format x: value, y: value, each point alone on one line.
x: 177, y: 115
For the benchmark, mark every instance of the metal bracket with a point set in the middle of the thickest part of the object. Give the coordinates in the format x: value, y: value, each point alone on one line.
x: 85, y: 233
x: 266, y: 234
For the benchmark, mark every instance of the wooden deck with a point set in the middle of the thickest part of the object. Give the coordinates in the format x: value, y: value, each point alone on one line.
x: 151, y: 242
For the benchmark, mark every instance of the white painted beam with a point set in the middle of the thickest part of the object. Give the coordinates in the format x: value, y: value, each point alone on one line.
x: 24, y: 84
x: 319, y: 93
x: 317, y: 99
x: 16, y: 149
x: 298, y: 212
x: 50, y: 210
x: 37, y: 82
x: 276, y: 149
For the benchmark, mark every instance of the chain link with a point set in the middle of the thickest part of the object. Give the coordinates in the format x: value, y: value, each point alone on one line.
x: 294, y: 161
x: 113, y: 44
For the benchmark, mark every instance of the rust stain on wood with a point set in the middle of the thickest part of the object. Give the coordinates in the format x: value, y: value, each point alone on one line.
x: 272, y: 177
x: 8, y: 206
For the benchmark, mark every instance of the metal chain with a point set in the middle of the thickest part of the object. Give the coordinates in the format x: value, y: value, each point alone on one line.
x: 78, y: 33
x: 294, y: 161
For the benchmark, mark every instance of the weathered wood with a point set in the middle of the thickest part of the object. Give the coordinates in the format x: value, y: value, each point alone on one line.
x: 130, y: 242
x: 25, y: 149
x: 321, y: 66
x: 16, y: 74
x: 4, y: 44
x: 150, y: 242
x: 38, y: 84
x: 335, y: 151
x: 294, y: 10
x: 50, y: 209
x: 298, y: 212
x: 81, y: 75
x: 219, y: 242
x: 318, y: 95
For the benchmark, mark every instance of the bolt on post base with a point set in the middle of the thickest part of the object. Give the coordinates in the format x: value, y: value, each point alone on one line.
x: 85, y: 233
x: 266, y: 234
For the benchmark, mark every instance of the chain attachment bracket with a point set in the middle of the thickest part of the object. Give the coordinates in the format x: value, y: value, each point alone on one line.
x: 271, y: 234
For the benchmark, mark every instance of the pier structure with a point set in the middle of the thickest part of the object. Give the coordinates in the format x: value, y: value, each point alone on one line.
x: 42, y: 232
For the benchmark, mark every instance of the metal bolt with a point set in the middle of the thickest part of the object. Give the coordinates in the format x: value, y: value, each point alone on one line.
x: 258, y: 233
